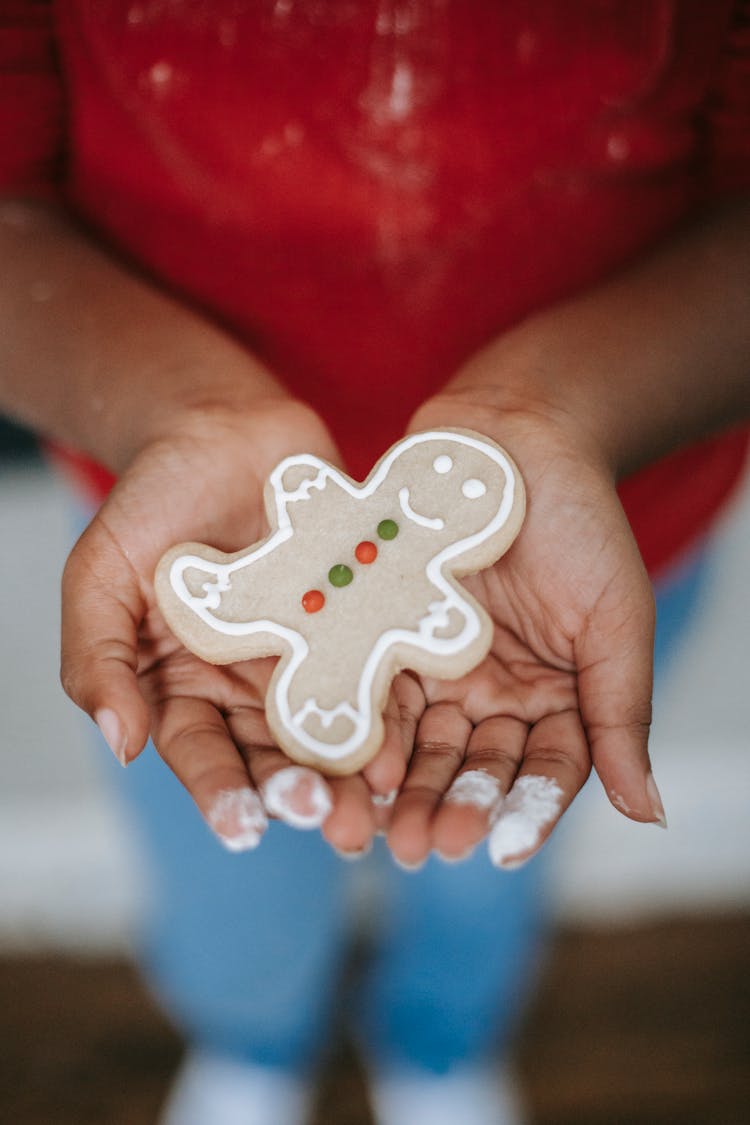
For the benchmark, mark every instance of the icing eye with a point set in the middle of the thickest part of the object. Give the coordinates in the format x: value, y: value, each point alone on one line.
x: 473, y: 488
x: 443, y: 463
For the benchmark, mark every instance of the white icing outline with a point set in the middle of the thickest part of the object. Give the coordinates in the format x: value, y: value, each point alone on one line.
x: 432, y: 523
x: 423, y: 638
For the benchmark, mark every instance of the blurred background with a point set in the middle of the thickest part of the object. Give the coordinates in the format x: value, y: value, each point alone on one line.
x: 642, y: 1015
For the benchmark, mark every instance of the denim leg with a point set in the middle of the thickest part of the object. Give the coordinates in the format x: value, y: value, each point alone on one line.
x: 243, y: 950
x: 457, y: 947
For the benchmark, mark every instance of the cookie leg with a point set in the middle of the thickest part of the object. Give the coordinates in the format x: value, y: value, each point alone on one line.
x: 321, y: 713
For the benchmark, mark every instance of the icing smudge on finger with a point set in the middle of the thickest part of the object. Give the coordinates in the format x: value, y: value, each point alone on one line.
x: 298, y: 796
x: 384, y: 800
x: 533, y: 803
x: 475, y: 787
x: 238, y: 819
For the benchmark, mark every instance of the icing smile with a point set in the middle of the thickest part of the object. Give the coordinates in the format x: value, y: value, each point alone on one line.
x: 435, y: 524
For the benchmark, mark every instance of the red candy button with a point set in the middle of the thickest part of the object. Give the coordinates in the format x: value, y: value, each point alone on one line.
x: 312, y: 601
x: 366, y: 552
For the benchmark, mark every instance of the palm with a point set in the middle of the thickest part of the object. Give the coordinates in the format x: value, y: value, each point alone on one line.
x: 207, y: 722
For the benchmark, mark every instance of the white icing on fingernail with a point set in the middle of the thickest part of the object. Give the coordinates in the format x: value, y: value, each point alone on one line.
x: 531, y: 805
x: 475, y: 787
x: 298, y: 796
x: 384, y: 800
x: 238, y: 819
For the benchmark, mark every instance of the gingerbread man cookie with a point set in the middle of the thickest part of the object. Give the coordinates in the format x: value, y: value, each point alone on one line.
x: 353, y: 583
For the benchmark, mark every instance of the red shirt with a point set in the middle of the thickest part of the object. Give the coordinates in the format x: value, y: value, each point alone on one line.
x: 365, y: 192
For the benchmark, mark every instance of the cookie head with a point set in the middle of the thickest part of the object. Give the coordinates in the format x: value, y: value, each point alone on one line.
x: 453, y: 485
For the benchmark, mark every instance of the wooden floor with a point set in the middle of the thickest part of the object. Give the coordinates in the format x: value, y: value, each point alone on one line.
x: 647, y: 1027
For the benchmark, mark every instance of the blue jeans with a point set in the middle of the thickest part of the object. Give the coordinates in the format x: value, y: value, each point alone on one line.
x: 246, y: 951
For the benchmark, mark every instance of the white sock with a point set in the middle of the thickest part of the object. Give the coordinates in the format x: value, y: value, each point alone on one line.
x: 464, y: 1096
x: 215, y: 1090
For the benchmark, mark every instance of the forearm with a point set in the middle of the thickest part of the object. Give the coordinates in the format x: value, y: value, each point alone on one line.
x: 94, y: 356
x: 655, y: 358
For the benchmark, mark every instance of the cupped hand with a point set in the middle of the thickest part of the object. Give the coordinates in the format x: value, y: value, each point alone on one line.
x: 202, y: 481
x: 568, y: 680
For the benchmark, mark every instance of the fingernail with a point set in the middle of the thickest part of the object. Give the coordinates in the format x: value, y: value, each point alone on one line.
x: 298, y: 796
x: 474, y: 787
x: 113, y: 733
x: 654, y: 799
x: 454, y: 859
x: 238, y: 819
x: 351, y: 856
x: 532, y: 803
x: 402, y: 863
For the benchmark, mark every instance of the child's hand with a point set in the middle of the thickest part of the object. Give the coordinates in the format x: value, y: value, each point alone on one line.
x: 568, y: 679
x: 122, y: 665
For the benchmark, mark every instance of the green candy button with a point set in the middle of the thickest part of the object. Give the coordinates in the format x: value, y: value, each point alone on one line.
x: 387, y: 529
x: 340, y: 575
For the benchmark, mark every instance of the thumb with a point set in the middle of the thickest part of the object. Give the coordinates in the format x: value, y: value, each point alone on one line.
x: 102, y: 608
x: 615, y: 682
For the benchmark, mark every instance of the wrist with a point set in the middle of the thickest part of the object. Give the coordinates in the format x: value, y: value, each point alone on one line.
x: 541, y: 375
x: 209, y: 378
x: 247, y: 435
x: 506, y: 395
x: 204, y: 477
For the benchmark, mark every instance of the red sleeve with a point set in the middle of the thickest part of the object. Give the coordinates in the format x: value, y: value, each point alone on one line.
x: 727, y: 110
x: 31, y: 100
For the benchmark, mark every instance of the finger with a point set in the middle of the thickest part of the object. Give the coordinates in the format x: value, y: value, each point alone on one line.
x: 193, y: 740
x: 295, y: 794
x: 615, y: 684
x: 442, y: 736
x: 555, y: 766
x: 466, y: 813
x: 102, y: 608
x: 348, y: 817
x: 351, y: 825
x: 405, y: 707
x: 382, y: 804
